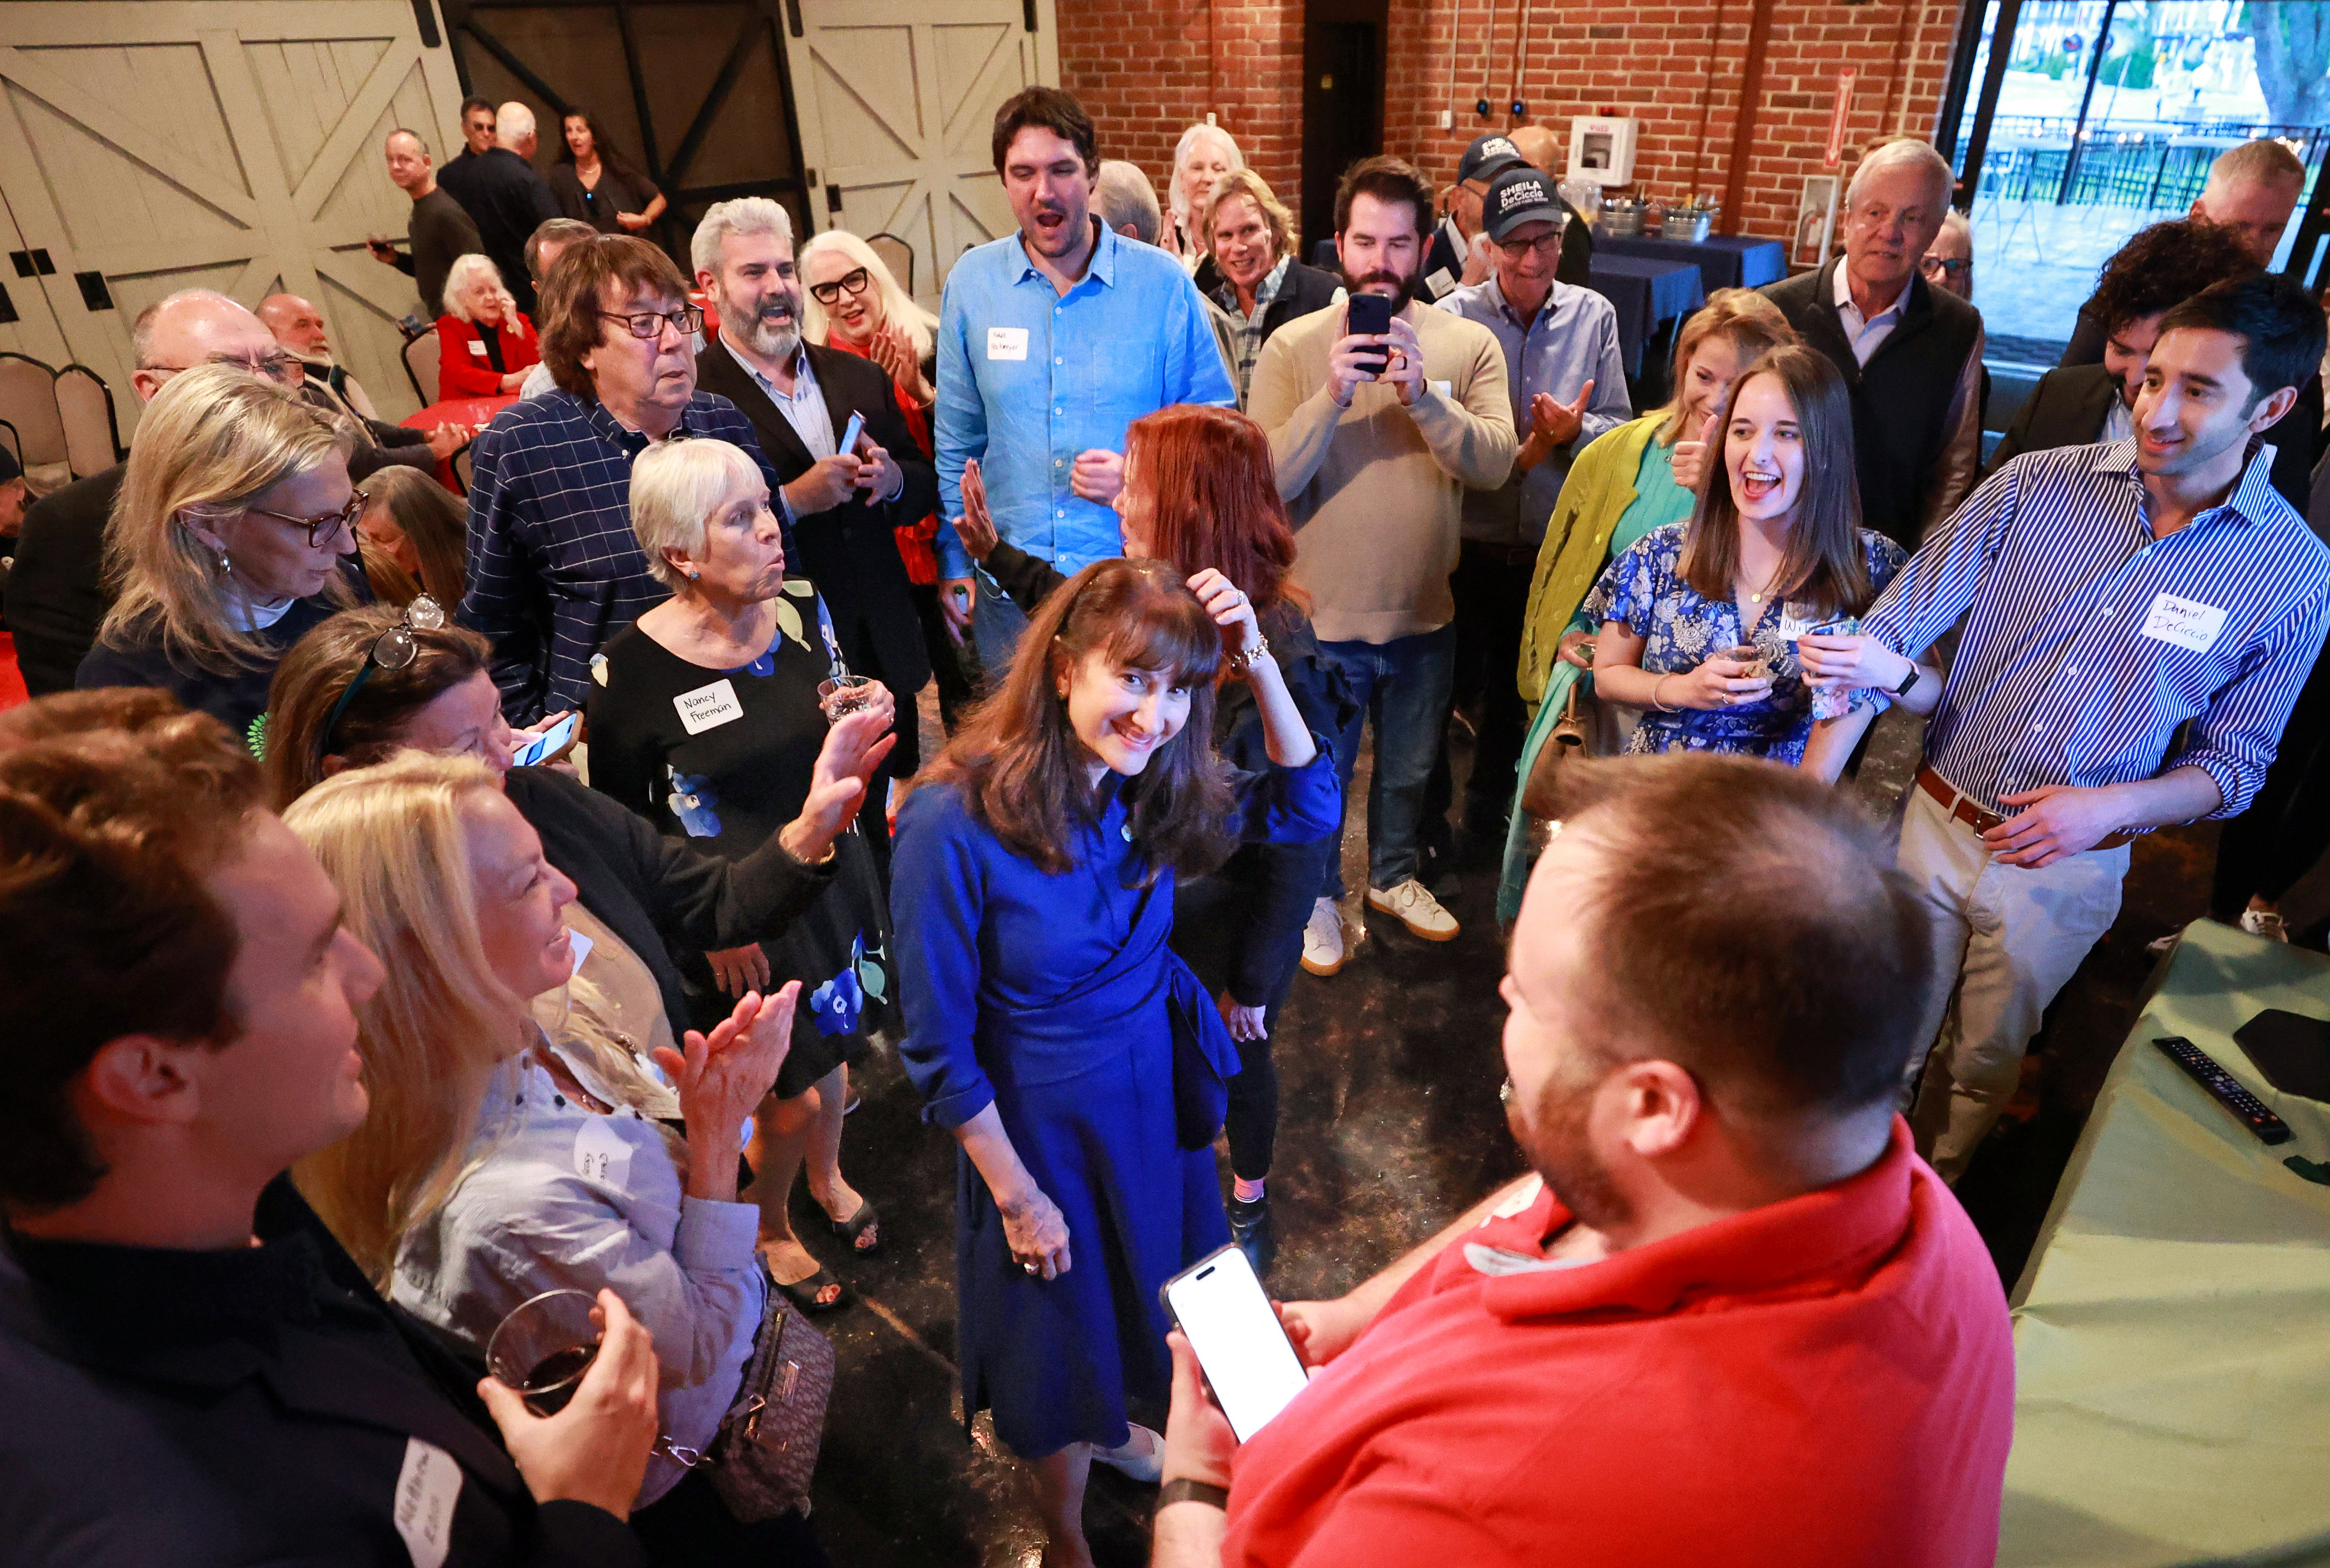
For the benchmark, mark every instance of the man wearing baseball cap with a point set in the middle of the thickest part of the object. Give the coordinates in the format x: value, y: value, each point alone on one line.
x: 1568, y: 383
x: 1458, y: 254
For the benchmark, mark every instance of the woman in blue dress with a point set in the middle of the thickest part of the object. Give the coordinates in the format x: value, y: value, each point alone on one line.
x: 1700, y: 621
x: 1077, y: 1061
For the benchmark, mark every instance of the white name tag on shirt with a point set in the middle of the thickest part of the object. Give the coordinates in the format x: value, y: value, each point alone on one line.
x: 478, y: 347
x: 1006, y: 343
x: 709, y: 707
x: 1439, y: 282
x: 426, y: 1490
x: 600, y: 1155
x: 1445, y: 388
x: 2183, y: 622
x: 1793, y: 625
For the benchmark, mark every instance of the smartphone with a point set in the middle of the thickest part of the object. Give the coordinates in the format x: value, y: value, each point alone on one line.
x: 849, y: 446
x: 1369, y: 314
x: 546, y: 744
x: 1239, y: 1341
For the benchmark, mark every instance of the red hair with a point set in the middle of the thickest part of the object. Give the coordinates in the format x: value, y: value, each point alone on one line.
x: 1216, y: 499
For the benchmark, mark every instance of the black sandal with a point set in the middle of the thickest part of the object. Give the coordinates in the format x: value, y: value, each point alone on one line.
x: 857, y: 1225
x: 804, y: 1293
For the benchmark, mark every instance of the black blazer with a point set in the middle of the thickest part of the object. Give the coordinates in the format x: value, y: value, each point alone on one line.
x: 260, y: 1405
x: 57, y: 597
x: 848, y: 551
x: 658, y: 893
x: 2069, y: 405
x: 1303, y: 290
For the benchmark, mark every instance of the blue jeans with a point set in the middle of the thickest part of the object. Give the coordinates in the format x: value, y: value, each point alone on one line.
x: 995, y: 624
x: 1403, y: 686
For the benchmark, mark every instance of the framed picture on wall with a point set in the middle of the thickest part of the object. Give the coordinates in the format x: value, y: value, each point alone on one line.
x: 1815, y: 221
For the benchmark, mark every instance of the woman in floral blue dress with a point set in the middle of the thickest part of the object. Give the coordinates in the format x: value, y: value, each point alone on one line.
x: 1700, y: 620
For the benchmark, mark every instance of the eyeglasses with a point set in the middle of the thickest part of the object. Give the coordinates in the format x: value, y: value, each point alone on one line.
x: 1951, y: 265
x: 321, y: 529
x: 1544, y: 245
x: 649, y: 323
x: 394, y: 648
x: 852, y: 283
x: 275, y: 367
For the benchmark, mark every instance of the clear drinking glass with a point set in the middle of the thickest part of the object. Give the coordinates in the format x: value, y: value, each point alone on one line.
x: 844, y: 695
x: 544, y: 1347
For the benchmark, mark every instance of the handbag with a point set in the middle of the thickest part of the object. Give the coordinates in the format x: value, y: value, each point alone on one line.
x: 765, y: 1453
x: 1541, y: 796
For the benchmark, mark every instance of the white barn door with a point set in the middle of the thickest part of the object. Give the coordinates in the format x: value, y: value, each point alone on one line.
x: 897, y: 102
x: 232, y: 145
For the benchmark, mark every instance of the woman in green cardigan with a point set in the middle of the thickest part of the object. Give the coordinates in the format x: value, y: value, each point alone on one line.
x: 1639, y: 477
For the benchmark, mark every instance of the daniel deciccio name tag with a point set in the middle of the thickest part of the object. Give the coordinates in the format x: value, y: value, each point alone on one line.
x: 2183, y: 622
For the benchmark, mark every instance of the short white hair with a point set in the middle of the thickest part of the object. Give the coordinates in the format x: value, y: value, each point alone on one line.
x: 1909, y: 153
x: 1189, y: 139
x: 744, y: 216
x: 898, y: 307
x: 513, y: 123
x: 468, y: 270
x: 676, y: 487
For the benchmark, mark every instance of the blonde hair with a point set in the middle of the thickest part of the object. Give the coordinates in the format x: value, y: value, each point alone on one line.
x: 2265, y: 162
x: 213, y: 441
x: 898, y: 307
x: 1174, y: 198
x: 1742, y: 315
x: 676, y: 487
x: 466, y: 270
x: 393, y: 838
x: 1254, y: 188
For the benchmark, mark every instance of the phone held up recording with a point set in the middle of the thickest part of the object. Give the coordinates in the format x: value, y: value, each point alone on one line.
x: 1369, y: 315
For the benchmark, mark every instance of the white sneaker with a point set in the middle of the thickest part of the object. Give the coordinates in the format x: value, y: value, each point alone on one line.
x: 2266, y: 923
x: 1322, y: 938
x: 1412, y: 905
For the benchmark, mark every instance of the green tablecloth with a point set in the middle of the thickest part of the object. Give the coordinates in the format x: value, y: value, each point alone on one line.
x: 2171, y: 1335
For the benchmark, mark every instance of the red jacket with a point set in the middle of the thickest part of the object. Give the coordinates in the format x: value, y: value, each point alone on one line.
x: 462, y: 368
x: 1828, y: 1379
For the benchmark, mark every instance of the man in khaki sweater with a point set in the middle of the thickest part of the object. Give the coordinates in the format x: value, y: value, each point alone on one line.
x: 1374, y: 466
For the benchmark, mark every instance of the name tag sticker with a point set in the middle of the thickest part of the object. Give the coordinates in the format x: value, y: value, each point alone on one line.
x: 426, y: 1490
x: 1445, y: 388
x: 2183, y: 622
x: 600, y: 1155
x: 478, y: 347
x: 1439, y: 282
x: 709, y: 707
x: 1006, y: 343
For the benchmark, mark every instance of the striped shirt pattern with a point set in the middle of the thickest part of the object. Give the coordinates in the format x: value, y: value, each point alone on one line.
x: 2057, y: 681
x: 1248, y: 323
x: 555, y: 569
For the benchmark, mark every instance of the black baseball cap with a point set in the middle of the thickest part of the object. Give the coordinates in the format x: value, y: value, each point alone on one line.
x: 1488, y: 156
x: 1516, y: 197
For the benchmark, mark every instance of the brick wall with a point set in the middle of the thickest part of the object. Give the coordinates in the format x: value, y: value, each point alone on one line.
x: 1146, y: 70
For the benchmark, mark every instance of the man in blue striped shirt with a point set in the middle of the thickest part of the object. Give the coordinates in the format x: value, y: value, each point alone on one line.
x: 1051, y: 341
x: 2110, y: 595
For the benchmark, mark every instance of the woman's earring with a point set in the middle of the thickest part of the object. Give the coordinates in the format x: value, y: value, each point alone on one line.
x: 226, y: 565
x: 692, y: 577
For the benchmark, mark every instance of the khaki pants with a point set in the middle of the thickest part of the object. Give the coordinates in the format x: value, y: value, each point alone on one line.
x: 2005, y: 939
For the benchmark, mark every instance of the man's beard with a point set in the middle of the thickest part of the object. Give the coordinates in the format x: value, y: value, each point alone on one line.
x: 1561, y: 1150
x: 1400, y: 302
x: 771, y: 339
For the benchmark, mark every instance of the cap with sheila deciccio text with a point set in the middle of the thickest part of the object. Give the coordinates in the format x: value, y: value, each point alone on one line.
x: 1516, y: 197
x: 1488, y: 156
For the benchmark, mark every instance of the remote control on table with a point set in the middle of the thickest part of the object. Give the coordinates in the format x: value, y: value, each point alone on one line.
x: 2227, y: 1088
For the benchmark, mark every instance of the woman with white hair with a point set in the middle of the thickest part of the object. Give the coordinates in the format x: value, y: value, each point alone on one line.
x: 484, y: 344
x: 707, y: 718
x: 234, y: 515
x: 1204, y: 154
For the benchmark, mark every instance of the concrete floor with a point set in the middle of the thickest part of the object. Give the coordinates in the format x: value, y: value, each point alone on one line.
x: 1390, y: 1127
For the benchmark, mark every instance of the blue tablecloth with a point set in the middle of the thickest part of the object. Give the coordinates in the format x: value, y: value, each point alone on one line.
x: 1647, y: 293
x: 1724, y: 261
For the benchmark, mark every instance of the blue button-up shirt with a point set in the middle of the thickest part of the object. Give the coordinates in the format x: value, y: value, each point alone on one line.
x: 555, y: 569
x: 1029, y: 377
x: 1574, y: 339
x: 2087, y: 643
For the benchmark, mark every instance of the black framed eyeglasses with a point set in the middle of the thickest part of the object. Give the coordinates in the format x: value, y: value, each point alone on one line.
x: 1950, y: 266
x: 275, y: 367
x: 688, y: 319
x: 853, y: 283
x: 327, y: 526
x: 394, y: 648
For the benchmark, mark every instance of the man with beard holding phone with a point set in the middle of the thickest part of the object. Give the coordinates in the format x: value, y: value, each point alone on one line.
x: 1377, y: 437
x: 1731, y: 1317
x: 1051, y: 341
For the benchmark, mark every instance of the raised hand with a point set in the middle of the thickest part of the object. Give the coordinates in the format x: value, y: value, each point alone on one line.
x: 1232, y: 610
x: 721, y: 1076
x: 1691, y: 458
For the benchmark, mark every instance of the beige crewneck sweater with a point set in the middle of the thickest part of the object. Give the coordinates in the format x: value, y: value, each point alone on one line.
x: 1377, y: 490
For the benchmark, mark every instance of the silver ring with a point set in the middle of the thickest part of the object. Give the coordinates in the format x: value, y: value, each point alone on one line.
x: 1030, y: 1268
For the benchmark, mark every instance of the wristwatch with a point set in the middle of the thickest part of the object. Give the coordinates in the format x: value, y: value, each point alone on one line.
x: 1187, y: 1491
x: 1903, y: 689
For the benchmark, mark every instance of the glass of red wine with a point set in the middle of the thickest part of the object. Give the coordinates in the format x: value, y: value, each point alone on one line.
x: 543, y: 1349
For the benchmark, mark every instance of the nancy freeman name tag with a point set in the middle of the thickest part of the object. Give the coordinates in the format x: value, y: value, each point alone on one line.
x: 2183, y: 622
x: 709, y: 707
x: 1006, y: 343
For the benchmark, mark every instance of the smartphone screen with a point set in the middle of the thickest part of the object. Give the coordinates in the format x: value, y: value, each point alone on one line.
x: 1370, y: 314
x: 849, y: 446
x: 1239, y: 1341
x: 550, y: 743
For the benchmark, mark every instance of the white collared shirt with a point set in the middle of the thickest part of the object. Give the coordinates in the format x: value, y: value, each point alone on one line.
x: 804, y: 408
x: 1867, y: 334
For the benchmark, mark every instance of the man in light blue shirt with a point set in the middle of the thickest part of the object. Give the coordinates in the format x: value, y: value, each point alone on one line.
x: 1051, y: 341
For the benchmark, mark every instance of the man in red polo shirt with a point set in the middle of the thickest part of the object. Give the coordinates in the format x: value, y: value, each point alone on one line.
x: 1732, y: 1317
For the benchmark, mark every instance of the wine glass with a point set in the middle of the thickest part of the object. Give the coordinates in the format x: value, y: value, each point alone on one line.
x: 544, y: 1347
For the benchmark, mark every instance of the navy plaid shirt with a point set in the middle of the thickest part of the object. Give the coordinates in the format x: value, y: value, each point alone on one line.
x: 555, y: 569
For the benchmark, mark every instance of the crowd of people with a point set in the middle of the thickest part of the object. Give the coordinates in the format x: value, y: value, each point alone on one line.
x: 421, y: 910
